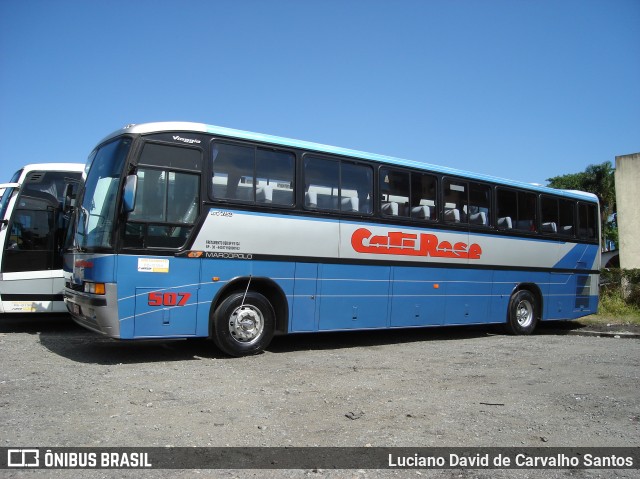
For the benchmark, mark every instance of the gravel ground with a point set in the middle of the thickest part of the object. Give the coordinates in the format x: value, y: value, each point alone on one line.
x: 63, y: 386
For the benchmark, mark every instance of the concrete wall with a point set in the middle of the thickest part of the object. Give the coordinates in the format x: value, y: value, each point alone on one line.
x: 628, y: 202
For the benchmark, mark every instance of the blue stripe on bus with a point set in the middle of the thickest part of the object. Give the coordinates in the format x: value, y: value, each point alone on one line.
x: 581, y: 256
x: 324, y: 297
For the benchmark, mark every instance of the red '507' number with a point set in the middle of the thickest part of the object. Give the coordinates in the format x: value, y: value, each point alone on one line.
x: 168, y: 299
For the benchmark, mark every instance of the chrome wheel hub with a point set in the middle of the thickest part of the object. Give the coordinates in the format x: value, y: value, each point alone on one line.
x: 524, y: 313
x: 246, y: 324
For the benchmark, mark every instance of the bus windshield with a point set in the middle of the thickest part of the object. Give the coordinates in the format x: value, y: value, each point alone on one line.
x: 4, y: 201
x: 5, y: 196
x: 97, y: 214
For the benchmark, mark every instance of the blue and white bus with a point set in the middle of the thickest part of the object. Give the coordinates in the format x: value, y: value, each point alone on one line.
x: 32, y: 229
x: 189, y: 230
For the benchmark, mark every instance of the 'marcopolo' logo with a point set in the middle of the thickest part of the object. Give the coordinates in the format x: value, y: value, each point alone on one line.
x: 23, y: 458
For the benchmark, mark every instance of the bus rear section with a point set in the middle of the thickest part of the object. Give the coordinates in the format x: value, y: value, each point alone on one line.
x: 32, y: 232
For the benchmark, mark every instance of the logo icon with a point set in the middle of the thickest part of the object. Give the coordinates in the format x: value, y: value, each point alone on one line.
x: 23, y: 458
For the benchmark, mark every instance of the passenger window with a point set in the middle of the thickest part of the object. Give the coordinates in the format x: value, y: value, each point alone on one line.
x: 566, y: 226
x: 321, y: 178
x: 527, y: 206
x: 394, y: 192
x: 507, y: 208
x: 249, y: 174
x: 549, y: 218
x: 455, y: 201
x: 356, y: 188
x: 587, y: 221
x: 516, y: 210
x: 232, y: 172
x: 424, y: 194
x: 337, y: 185
x: 479, y: 205
x: 557, y: 216
x: 274, y: 177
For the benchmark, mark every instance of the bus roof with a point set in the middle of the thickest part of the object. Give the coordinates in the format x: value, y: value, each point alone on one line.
x: 159, y: 127
x: 54, y: 167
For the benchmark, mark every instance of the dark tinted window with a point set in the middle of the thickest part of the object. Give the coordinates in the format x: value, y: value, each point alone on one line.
x: 167, y: 201
x: 408, y: 194
x: 587, y: 221
x: 334, y: 185
x: 516, y: 210
x: 249, y: 174
x: 36, y: 230
x: 479, y: 204
x: 455, y: 201
x: 566, y: 226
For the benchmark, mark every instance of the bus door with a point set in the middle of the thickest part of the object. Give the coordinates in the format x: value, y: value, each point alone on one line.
x: 167, y: 201
x: 32, y: 242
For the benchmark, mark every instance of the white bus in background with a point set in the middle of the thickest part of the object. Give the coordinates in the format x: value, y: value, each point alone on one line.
x: 32, y: 229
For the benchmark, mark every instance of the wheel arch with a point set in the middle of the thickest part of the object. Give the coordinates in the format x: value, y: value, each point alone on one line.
x: 534, y: 289
x: 267, y: 288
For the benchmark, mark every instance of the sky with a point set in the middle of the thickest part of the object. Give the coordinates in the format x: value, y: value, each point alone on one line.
x: 519, y: 89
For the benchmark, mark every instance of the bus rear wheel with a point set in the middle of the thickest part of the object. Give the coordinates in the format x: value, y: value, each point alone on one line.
x: 243, y: 324
x: 522, y: 316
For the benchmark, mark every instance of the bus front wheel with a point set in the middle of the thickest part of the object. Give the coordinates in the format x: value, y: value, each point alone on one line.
x: 243, y: 324
x: 522, y: 316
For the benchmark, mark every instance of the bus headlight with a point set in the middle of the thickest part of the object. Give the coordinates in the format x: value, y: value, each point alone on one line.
x: 94, y: 288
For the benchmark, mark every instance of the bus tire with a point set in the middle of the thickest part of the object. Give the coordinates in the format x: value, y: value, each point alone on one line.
x: 243, y: 325
x: 522, y: 315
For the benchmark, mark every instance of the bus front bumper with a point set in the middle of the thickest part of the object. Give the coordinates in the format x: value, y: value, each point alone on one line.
x: 98, y: 313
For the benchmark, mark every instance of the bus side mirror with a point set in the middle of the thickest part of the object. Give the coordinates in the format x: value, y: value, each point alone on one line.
x: 129, y: 194
x: 70, y: 193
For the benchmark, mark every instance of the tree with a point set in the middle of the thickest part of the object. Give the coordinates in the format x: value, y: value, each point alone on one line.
x: 596, y: 179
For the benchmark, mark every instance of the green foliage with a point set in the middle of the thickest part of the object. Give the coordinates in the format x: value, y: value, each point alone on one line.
x: 596, y: 179
x: 572, y: 181
x: 614, y: 302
